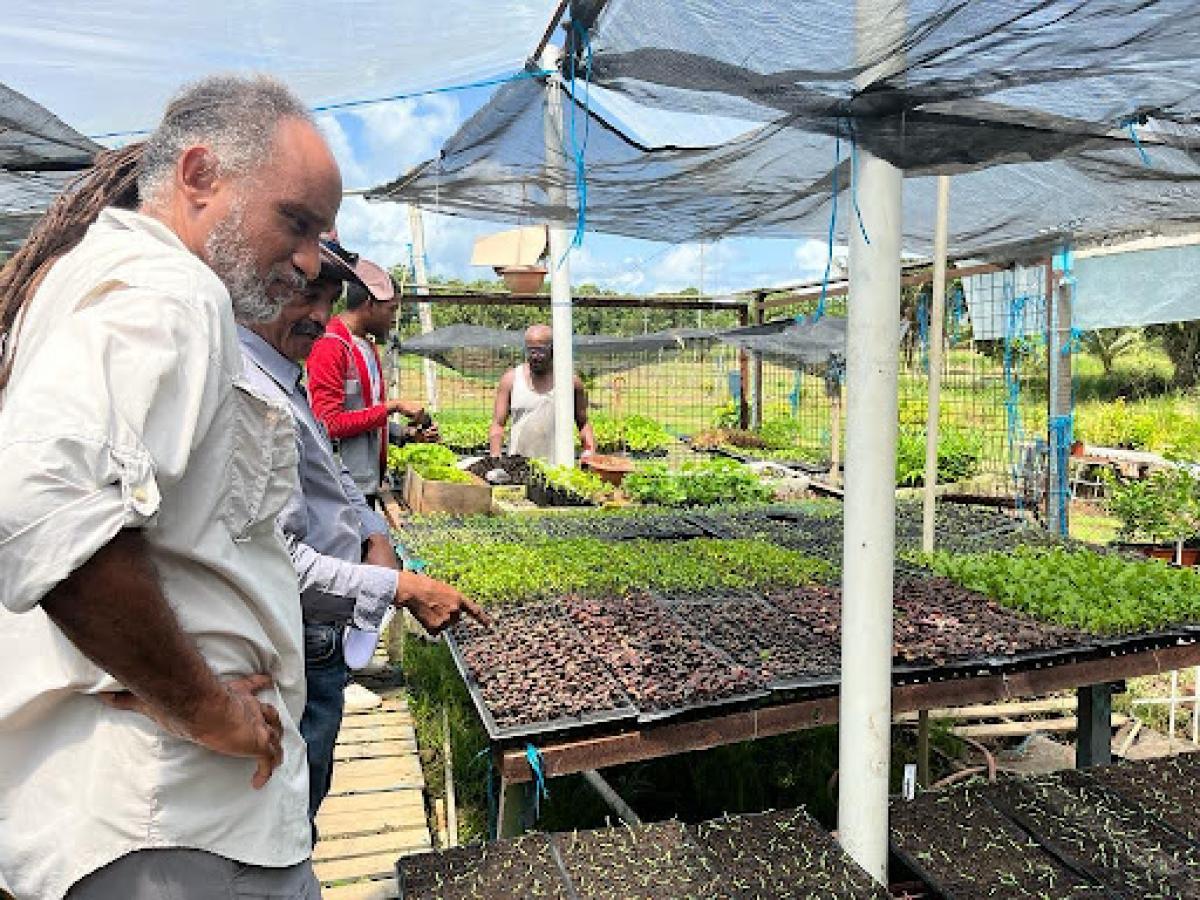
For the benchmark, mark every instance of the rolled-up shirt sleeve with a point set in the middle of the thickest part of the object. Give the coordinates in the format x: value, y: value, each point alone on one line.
x: 333, y: 589
x: 91, y: 430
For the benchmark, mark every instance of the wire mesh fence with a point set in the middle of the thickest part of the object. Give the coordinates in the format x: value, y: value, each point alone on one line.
x: 993, y: 412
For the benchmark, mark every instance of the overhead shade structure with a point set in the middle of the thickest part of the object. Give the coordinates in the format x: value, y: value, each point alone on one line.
x: 1061, y: 119
x: 39, y: 154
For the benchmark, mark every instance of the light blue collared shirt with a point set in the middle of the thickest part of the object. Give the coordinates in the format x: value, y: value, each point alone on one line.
x: 327, y: 519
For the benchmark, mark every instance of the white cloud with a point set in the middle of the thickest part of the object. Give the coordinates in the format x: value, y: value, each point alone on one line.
x: 810, y: 259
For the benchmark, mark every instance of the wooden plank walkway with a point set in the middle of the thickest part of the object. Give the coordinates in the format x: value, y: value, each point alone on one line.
x: 375, y: 811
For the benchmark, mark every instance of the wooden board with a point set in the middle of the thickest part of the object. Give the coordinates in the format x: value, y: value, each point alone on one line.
x: 379, y: 865
x: 373, y: 718
x: 343, y: 825
x: 375, y: 750
x: 369, y: 844
x: 363, y: 890
x: 373, y: 734
x: 388, y: 773
x: 1023, y: 729
x: 422, y: 496
x: 408, y: 801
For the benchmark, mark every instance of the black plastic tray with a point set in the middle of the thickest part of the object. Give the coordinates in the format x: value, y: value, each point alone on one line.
x: 498, y: 733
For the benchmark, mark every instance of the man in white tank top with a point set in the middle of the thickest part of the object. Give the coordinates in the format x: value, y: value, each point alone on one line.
x: 526, y: 394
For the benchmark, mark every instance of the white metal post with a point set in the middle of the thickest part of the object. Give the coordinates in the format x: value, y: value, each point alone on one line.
x: 937, y: 310
x: 560, y: 270
x: 416, y: 228
x: 868, y: 544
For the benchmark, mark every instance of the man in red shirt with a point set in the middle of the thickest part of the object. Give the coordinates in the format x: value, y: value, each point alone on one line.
x: 346, y: 383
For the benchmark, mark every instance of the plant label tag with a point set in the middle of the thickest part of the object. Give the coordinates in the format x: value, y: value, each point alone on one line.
x: 909, y: 786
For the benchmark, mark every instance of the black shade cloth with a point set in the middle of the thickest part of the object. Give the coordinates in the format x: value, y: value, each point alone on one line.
x: 1029, y: 103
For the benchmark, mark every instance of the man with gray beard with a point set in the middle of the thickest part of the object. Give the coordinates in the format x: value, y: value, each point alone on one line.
x: 151, y: 667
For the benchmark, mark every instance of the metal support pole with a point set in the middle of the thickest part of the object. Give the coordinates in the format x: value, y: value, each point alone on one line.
x: 416, y: 228
x: 623, y: 810
x: 868, y: 541
x: 515, y: 815
x: 1093, y: 743
x: 937, y: 311
x: 1058, y: 438
x: 560, y: 270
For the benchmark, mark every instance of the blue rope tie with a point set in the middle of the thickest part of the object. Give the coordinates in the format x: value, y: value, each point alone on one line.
x: 923, y: 331
x: 854, y: 185
x: 1137, y: 143
x: 1061, y: 428
x: 1013, y: 327
x: 794, y: 396
x: 1073, y: 342
x: 539, y: 778
x: 392, y: 98
x: 579, y: 148
x: 837, y: 161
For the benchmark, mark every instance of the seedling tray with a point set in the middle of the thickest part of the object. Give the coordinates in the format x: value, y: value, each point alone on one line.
x: 1096, y: 832
x: 964, y: 848
x: 519, y: 868
x: 621, y: 709
x: 499, y: 734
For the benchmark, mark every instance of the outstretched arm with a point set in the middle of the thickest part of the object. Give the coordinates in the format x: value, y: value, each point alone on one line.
x: 500, y: 411
x: 587, y: 437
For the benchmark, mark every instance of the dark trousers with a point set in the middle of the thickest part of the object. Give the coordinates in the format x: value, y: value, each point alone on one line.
x: 326, y: 674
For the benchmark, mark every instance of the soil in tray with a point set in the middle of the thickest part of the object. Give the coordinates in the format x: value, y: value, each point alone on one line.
x: 513, y: 870
x: 647, y: 862
x: 935, y: 622
x: 533, y: 666
x: 773, y: 646
x: 1168, y: 789
x: 517, y: 467
x: 782, y: 855
x: 662, y: 662
x: 962, y: 846
x: 1101, y: 834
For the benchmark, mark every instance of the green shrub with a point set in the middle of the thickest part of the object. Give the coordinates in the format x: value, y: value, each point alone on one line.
x: 958, y: 457
x: 1163, y: 507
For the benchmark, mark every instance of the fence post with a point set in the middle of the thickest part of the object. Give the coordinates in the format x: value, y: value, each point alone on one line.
x: 756, y: 415
x: 416, y: 228
x: 744, y: 373
x: 1059, y: 412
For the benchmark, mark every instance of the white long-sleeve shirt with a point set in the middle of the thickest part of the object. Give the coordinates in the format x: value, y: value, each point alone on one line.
x: 127, y: 408
x: 327, y: 519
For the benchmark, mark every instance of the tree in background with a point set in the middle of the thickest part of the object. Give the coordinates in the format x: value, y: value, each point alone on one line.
x: 1181, y: 342
x: 1106, y: 344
